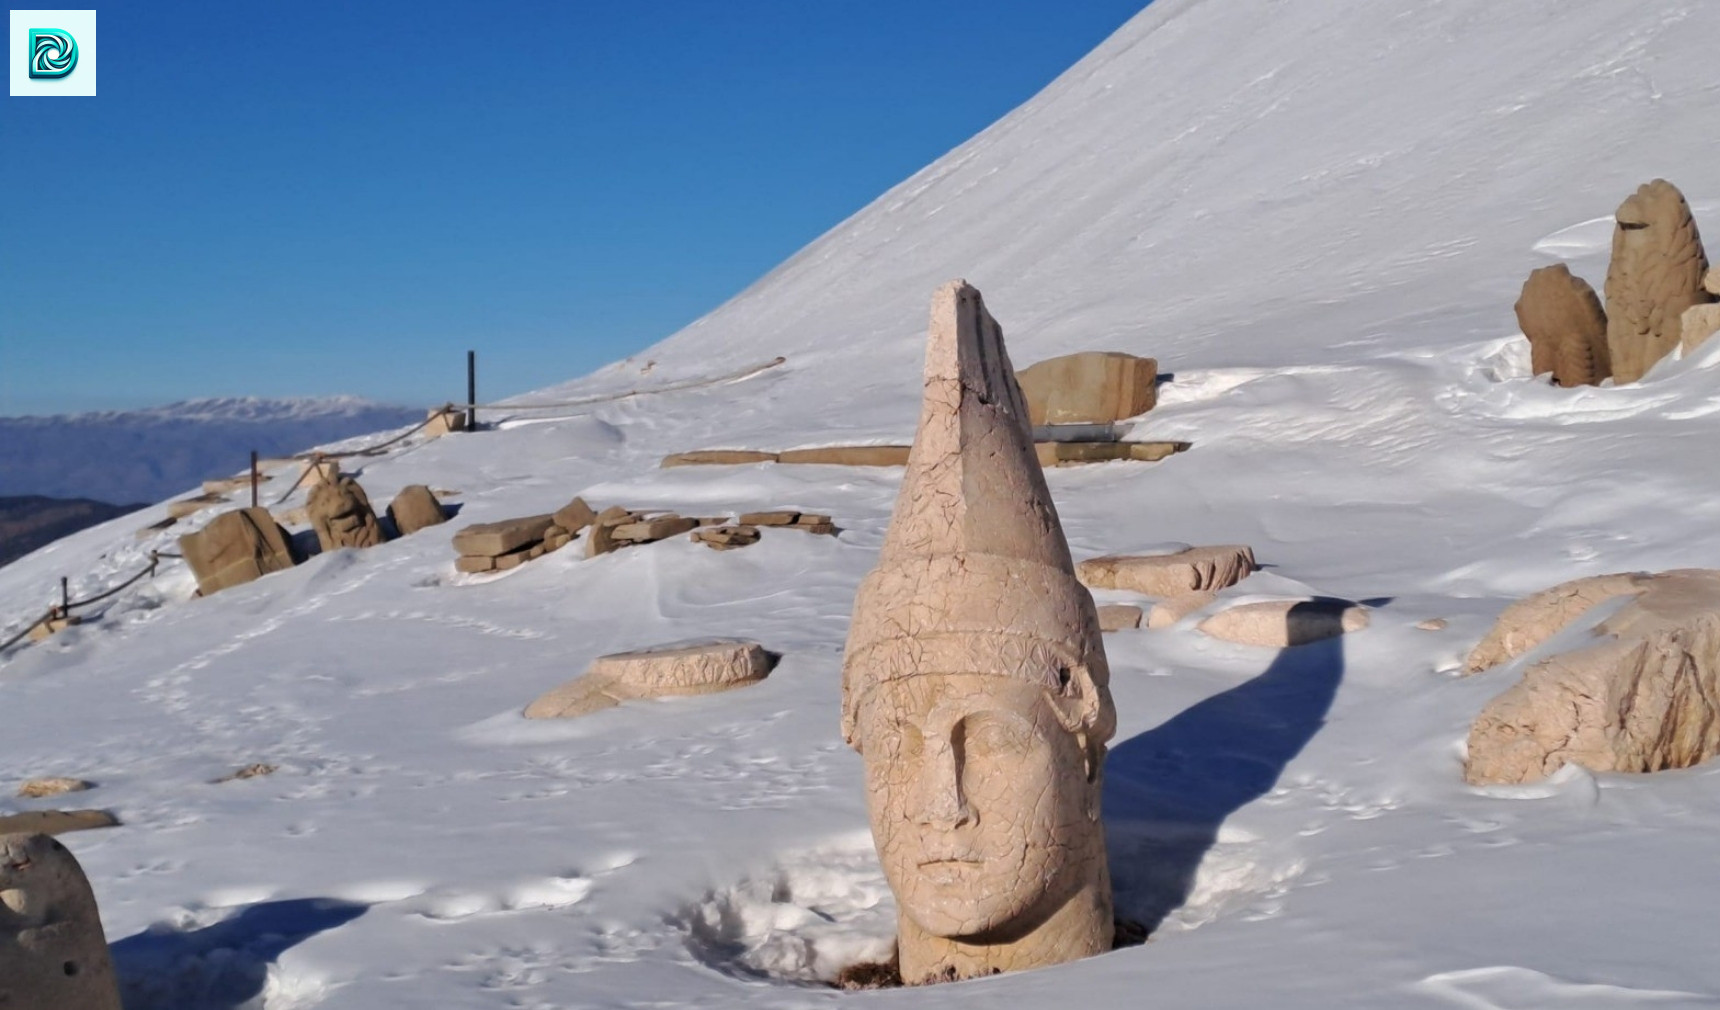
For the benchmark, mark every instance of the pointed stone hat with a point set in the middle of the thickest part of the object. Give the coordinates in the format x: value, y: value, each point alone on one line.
x: 974, y: 575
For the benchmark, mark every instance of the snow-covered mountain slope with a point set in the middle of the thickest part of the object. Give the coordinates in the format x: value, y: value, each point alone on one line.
x: 1317, y: 217
x: 150, y: 454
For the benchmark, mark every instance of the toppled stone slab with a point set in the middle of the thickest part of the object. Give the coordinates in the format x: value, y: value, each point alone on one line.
x: 574, y: 516
x: 1064, y: 453
x: 723, y: 538
x: 1644, y: 697
x: 663, y: 671
x: 36, y: 789
x: 474, y: 564
x: 1089, y: 387
x: 1165, y: 575
x: 235, y: 548
x: 52, y: 626
x: 653, y: 530
x: 555, y: 538
x: 1698, y: 323
x: 1535, y: 618
x: 515, y: 558
x: 717, y: 457
x: 1566, y: 326
x: 601, y: 537
x: 1280, y: 624
x: 1168, y: 612
x: 776, y: 518
x: 53, y: 955
x: 193, y: 505
x: 848, y: 455
x: 498, y: 538
x: 341, y: 515
x: 55, y: 822
x: 415, y: 508
x: 443, y: 421
x: 1119, y: 617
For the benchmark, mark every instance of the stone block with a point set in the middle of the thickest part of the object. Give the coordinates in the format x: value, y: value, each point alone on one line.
x: 53, y: 626
x: 717, y: 457
x: 724, y: 538
x: 1167, y: 575
x: 53, y: 954
x: 575, y: 516
x: 498, y: 538
x: 662, y: 671
x: 1119, y: 617
x: 600, y: 537
x: 443, y: 421
x: 848, y: 455
x: 1698, y: 323
x: 415, y: 508
x: 472, y: 564
x: 1280, y: 624
x: 1090, y: 387
x: 652, y: 530
x: 55, y: 822
x: 778, y: 518
x: 36, y: 789
x: 1169, y: 611
x: 235, y: 548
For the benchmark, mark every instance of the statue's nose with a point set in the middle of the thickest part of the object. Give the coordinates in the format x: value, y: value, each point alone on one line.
x: 941, y: 802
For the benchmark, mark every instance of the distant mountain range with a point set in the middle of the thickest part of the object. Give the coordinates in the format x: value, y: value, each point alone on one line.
x: 152, y: 454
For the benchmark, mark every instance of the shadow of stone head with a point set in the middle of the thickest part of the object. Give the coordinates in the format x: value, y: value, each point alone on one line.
x: 224, y: 966
x: 1170, y: 789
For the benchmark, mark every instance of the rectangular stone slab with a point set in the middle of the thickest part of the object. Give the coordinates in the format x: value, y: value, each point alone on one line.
x: 56, y: 822
x: 848, y: 455
x: 717, y: 457
x: 474, y: 563
x: 495, y: 539
x: 778, y: 518
x: 653, y: 529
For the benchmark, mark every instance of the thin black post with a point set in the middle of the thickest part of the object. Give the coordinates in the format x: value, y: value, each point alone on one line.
x: 253, y: 478
x: 65, y: 597
x: 471, y: 390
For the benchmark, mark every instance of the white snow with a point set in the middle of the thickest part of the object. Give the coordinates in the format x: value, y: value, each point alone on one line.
x: 1317, y: 217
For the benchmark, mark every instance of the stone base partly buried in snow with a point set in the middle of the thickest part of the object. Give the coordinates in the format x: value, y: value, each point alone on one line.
x: 662, y: 671
x: 1279, y: 624
x: 1194, y: 570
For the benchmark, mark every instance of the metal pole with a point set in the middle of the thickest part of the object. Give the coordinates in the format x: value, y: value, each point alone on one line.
x: 65, y: 598
x: 471, y: 390
x: 253, y: 478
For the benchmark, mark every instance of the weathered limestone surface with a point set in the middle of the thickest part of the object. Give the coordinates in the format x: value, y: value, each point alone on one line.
x: 1566, y: 326
x: 55, y: 822
x: 474, y: 564
x: 53, y: 955
x: 1119, y: 617
x: 1090, y: 387
x: 498, y: 538
x: 848, y: 455
x: 415, y: 508
x: 35, y: 789
x: 725, y: 538
x: 601, y: 537
x: 775, y: 518
x: 1168, y: 612
x: 1280, y: 624
x: 1194, y: 570
x: 574, y: 516
x: 235, y: 548
x: 1656, y: 273
x: 652, y: 530
x: 660, y: 672
x: 443, y: 420
x: 340, y: 513
x: 1644, y: 697
x: 1698, y: 323
x: 975, y: 685
x: 718, y: 457
x: 1534, y: 619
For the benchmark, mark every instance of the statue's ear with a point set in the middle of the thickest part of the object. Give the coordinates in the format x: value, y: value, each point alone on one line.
x: 1076, y: 701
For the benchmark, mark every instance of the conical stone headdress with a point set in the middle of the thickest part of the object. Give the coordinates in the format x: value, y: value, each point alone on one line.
x: 974, y: 576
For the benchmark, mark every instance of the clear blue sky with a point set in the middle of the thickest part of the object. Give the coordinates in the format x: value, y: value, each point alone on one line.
x: 285, y: 199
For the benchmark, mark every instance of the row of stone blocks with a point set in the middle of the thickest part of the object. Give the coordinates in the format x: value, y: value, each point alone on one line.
x: 245, y: 544
x: 1659, y: 295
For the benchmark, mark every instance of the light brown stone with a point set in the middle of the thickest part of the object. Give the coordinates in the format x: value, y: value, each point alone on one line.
x: 1698, y: 323
x: 812, y: 519
x: 975, y: 685
x: 415, y: 508
x: 317, y: 471
x: 53, y: 955
x: 1432, y: 624
x: 1566, y: 326
x: 1119, y: 617
x: 1166, y: 575
x: 1090, y: 387
x: 724, y: 538
x: 1280, y: 624
x: 53, y: 626
x: 1644, y: 696
x: 848, y: 455
x: 600, y: 538
x: 659, y: 672
x: 473, y: 564
x: 1711, y: 281
x: 235, y: 548
x: 250, y: 771
x: 36, y: 789
x: 652, y: 530
x: 717, y: 457
x: 55, y: 822
x: 778, y: 518
x: 1656, y: 273
x: 1532, y: 620
x: 498, y: 538
x: 155, y: 527
x: 341, y: 515
x: 574, y: 516
x: 298, y: 515
x: 1168, y: 612
x: 193, y: 505
x: 443, y: 421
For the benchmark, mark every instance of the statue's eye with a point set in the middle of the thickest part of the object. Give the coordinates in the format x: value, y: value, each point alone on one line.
x: 992, y: 734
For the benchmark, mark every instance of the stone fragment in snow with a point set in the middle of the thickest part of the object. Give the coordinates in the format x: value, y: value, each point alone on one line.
x: 848, y: 455
x: 718, y: 457
x: 498, y: 538
x: 1119, y: 617
x: 1432, y: 624
x: 1280, y: 624
x: 415, y: 508
x: 1698, y: 323
x: 1165, y: 575
x: 574, y: 516
x: 663, y: 671
x: 35, y: 789
x: 723, y: 538
x: 473, y: 564
x: 52, y: 626
x: 53, y: 955
x: 250, y: 771
x: 1168, y: 612
x: 653, y: 530
x: 1566, y: 326
x: 341, y: 515
x: 235, y: 548
x: 1656, y: 273
x: 55, y: 822
x: 776, y: 518
x: 1534, y: 619
x: 1644, y: 696
x: 1089, y: 387
x: 443, y: 421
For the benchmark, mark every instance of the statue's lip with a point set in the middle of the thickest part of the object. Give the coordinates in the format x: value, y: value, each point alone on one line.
x: 951, y: 861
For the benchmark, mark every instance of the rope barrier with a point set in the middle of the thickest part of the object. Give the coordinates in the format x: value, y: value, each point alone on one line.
x: 57, y: 612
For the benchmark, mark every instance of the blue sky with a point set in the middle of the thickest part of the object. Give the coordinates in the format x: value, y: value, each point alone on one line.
x: 278, y: 199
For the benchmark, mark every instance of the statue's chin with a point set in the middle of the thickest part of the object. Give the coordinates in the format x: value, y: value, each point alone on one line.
x: 959, y: 916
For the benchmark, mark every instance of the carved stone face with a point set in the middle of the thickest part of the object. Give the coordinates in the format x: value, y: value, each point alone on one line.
x: 979, y: 804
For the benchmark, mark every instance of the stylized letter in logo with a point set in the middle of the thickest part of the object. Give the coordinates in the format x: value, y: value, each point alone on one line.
x: 53, y: 52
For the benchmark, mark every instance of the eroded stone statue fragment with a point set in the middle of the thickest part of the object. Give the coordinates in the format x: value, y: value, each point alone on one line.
x: 975, y: 685
x: 52, y: 952
x: 1197, y: 569
x: 235, y: 548
x: 1656, y: 273
x: 340, y: 513
x: 1089, y: 386
x: 1566, y: 326
x: 660, y: 672
x: 415, y: 508
x: 1644, y: 697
